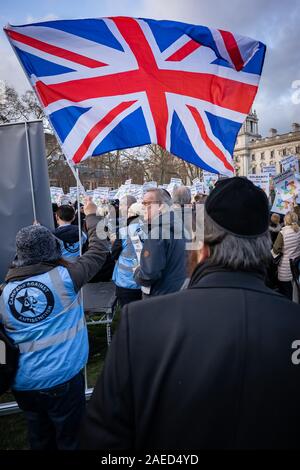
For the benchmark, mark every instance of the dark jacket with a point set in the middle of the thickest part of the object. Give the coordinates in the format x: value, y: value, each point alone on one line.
x: 274, y: 230
x: 163, y: 261
x: 208, y: 367
x: 67, y: 233
x: 81, y: 270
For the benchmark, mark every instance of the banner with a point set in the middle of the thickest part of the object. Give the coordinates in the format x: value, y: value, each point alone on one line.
x: 112, y: 194
x: 209, y: 180
x: 262, y: 181
x: 150, y: 185
x: 281, y: 206
x: 291, y: 163
x: 16, y: 204
x: 287, y: 185
x: 177, y: 181
x: 198, y: 187
x: 270, y: 170
x: 56, y: 194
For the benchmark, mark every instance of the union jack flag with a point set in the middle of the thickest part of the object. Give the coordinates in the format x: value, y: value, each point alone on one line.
x: 114, y: 83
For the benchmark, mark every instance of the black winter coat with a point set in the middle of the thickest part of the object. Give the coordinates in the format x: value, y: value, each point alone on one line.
x: 205, y: 368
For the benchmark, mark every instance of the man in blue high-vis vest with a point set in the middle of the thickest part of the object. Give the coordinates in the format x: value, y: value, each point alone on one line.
x: 41, y: 310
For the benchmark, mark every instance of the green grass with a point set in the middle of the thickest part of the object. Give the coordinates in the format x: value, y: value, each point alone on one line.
x: 13, y: 433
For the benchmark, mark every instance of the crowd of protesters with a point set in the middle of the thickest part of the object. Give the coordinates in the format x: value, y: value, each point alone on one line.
x: 189, y: 365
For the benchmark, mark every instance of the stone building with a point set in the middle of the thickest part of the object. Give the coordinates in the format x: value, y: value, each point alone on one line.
x: 252, y: 151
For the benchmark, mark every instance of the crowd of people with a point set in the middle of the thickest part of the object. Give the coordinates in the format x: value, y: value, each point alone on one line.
x: 202, y: 353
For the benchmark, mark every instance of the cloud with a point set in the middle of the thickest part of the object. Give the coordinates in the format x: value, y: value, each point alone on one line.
x: 34, y: 19
x: 10, y: 70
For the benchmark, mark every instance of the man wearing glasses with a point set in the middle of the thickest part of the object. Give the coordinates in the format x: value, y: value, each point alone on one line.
x: 162, y: 268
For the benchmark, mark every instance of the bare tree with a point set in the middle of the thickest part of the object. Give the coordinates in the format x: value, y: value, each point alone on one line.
x: 149, y: 162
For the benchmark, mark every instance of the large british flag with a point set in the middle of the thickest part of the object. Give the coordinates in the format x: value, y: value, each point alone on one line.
x: 119, y: 82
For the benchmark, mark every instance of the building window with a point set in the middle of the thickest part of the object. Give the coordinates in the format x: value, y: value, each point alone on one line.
x: 298, y: 149
x: 254, y: 171
x: 253, y: 157
x: 262, y: 155
x: 272, y: 154
x: 284, y: 152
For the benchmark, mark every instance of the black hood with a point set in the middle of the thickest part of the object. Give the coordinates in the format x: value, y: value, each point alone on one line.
x: 67, y: 233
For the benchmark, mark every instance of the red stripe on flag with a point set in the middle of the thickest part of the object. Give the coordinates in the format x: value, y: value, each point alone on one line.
x: 54, y: 50
x: 105, y: 121
x: 232, y: 49
x: 184, y: 51
x: 217, y: 90
x: 210, y: 144
x: 148, y: 74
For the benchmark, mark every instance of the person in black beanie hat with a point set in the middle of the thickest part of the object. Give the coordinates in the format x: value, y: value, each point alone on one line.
x: 236, y: 228
x: 224, y: 346
x: 41, y: 311
x: 36, y: 244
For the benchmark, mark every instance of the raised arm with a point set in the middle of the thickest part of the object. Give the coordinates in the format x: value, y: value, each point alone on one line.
x: 87, y: 266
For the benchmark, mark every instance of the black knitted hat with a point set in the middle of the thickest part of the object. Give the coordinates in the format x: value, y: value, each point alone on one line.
x: 36, y: 244
x: 239, y: 207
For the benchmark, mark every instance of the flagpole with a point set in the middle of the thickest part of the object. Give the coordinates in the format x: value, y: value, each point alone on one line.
x: 30, y: 172
x: 79, y: 186
x: 78, y: 183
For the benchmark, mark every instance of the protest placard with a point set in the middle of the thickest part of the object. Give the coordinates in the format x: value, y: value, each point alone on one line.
x: 176, y: 181
x: 291, y: 163
x: 262, y: 181
x: 270, y: 170
x: 209, y: 180
x: 56, y: 193
x: 287, y: 185
x: 281, y: 206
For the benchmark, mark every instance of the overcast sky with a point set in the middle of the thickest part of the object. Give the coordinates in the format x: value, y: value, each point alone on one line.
x: 274, y: 22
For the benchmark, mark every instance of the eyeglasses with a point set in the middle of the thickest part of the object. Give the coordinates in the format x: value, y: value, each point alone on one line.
x: 148, y: 203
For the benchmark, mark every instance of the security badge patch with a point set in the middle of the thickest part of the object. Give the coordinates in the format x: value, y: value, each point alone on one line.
x: 31, y: 302
x: 71, y: 247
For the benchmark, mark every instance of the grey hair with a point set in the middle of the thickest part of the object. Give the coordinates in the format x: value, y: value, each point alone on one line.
x: 236, y: 253
x: 162, y: 196
x: 182, y: 195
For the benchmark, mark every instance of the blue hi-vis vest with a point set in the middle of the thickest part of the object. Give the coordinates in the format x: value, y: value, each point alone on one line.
x: 71, y: 251
x: 44, y: 316
x: 123, y: 275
